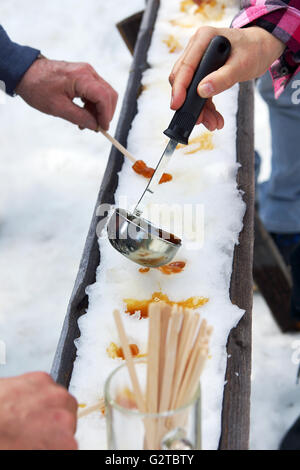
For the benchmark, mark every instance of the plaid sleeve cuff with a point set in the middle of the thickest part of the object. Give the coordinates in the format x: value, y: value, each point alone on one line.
x: 284, y: 23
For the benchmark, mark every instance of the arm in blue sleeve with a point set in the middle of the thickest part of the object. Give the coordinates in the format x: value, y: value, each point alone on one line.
x: 15, y: 60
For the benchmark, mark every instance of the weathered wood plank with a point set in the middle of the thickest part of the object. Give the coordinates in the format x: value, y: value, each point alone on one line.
x: 236, y: 400
x: 66, y: 351
x: 129, y: 29
x: 272, y: 277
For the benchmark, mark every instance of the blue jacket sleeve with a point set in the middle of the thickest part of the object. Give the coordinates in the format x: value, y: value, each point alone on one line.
x: 15, y: 60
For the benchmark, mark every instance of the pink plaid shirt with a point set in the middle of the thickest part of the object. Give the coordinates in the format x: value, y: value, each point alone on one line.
x: 282, y: 19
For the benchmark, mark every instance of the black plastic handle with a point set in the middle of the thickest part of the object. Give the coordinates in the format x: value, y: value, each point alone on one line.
x: 185, y: 118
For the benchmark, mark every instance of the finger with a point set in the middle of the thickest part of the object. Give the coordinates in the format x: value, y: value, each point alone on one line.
x: 104, y: 98
x: 200, y: 118
x: 210, y: 120
x: 113, y: 95
x: 174, y: 71
x: 209, y: 116
x: 114, y: 99
x: 58, y: 397
x: 177, y: 101
x: 178, y: 63
x: 71, y: 112
x: 220, y: 120
x: 63, y: 420
x: 184, y: 71
x: 37, y: 379
x: 219, y: 117
x: 219, y: 81
x: 58, y: 432
x: 91, y: 108
x: 181, y: 82
x: 210, y: 105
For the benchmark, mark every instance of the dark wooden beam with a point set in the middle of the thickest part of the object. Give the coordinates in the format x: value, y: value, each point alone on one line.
x: 129, y: 29
x: 272, y: 277
x: 236, y: 400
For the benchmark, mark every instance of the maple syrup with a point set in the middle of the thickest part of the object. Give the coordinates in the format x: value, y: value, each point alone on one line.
x: 141, y: 168
x: 173, y: 44
x: 171, y: 268
x: 133, y: 305
x: 208, y: 9
x: 126, y: 399
x: 144, y: 270
x: 201, y: 142
x: 115, y: 351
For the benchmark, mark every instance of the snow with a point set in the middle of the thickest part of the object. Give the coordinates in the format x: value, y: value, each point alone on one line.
x: 50, y: 175
x: 207, y: 177
x: 275, y: 395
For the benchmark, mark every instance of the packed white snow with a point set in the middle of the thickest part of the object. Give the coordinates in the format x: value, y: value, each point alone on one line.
x: 50, y: 176
x: 207, y: 177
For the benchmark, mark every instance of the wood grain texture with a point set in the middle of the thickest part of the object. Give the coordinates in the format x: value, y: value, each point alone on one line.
x: 66, y: 351
x: 236, y: 400
x: 129, y: 29
x: 272, y: 277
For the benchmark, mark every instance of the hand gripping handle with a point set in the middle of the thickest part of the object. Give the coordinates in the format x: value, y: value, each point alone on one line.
x: 186, y: 117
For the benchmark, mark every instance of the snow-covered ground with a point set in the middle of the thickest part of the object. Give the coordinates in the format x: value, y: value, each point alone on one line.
x: 50, y: 175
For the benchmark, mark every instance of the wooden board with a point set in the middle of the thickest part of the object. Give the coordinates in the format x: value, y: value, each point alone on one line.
x: 236, y: 401
x: 66, y: 351
x: 129, y: 29
x: 272, y: 277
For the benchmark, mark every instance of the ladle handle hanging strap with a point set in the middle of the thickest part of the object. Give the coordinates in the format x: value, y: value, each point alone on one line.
x: 186, y: 117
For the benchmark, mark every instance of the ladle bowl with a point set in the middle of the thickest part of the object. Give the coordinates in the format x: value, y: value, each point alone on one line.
x: 140, y: 241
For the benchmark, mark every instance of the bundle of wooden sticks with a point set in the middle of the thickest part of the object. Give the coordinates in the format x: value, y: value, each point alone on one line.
x: 177, y: 351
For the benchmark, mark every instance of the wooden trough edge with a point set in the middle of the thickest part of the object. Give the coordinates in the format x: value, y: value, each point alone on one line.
x: 236, y: 398
x: 66, y: 351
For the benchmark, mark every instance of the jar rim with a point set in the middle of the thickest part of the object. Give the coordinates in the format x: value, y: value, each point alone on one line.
x: 135, y: 412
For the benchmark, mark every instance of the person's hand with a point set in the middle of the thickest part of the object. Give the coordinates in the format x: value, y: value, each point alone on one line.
x: 253, y: 51
x: 50, y: 86
x: 36, y: 414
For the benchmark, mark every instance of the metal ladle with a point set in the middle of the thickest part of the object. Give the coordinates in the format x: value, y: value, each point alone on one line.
x: 130, y: 234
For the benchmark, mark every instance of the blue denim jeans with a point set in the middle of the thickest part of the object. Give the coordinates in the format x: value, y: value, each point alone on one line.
x: 279, y: 197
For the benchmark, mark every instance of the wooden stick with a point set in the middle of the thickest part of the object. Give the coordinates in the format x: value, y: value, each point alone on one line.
x: 130, y: 363
x: 152, y: 388
x: 180, y: 398
x: 117, y: 144
x: 168, y: 367
x: 196, y: 374
x: 153, y: 357
x: 189, y: 327
x: 90, y: 409
x: 165, y: 317
x: 170, y: 360
x: 191, y: 363
x: 177, y: 352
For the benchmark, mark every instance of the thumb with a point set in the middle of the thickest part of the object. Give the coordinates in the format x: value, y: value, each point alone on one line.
x: 218, y: 81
